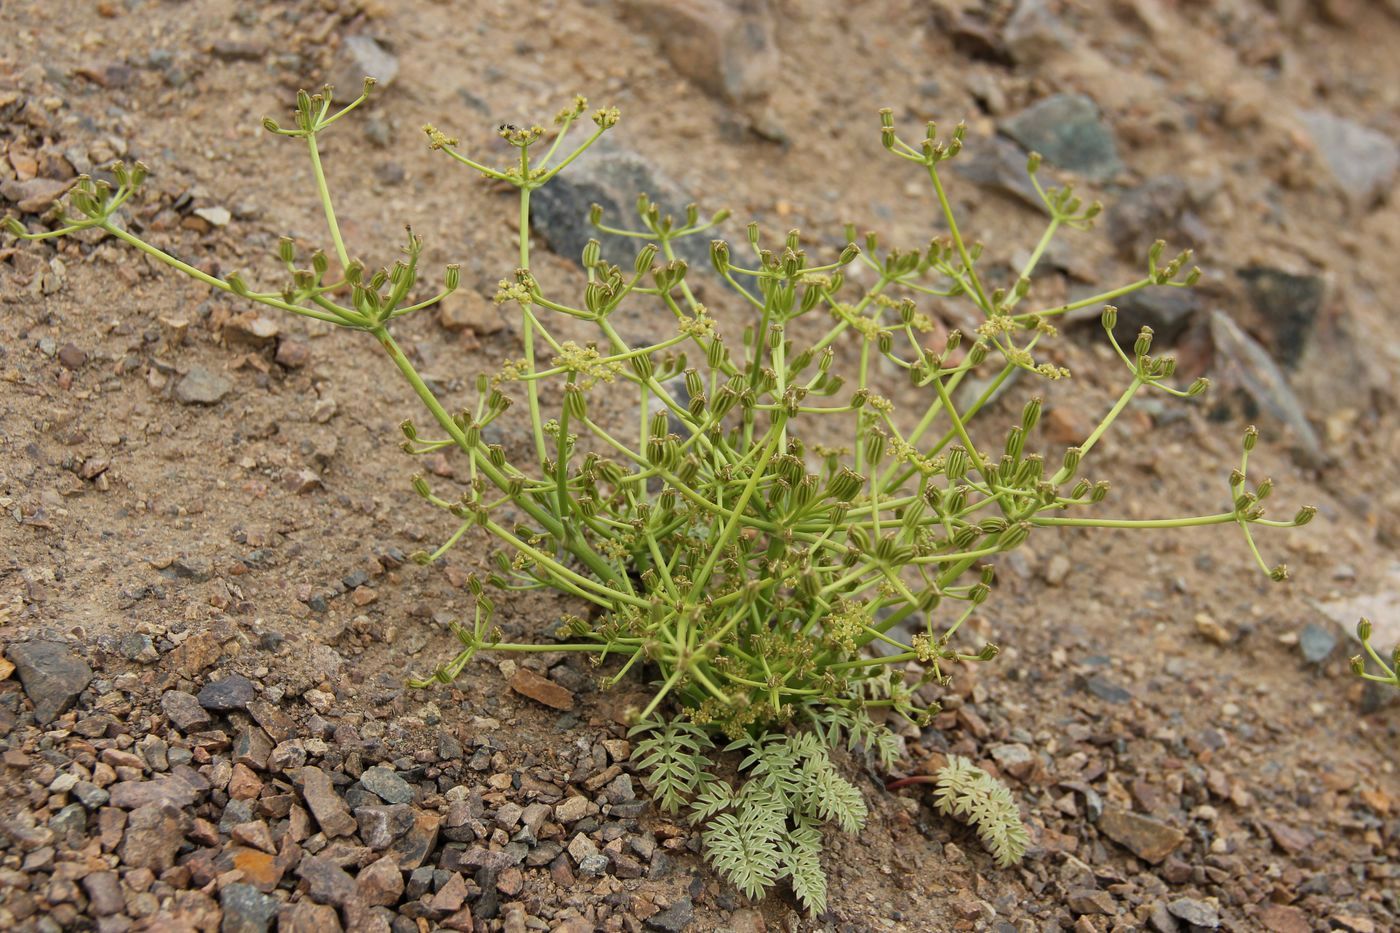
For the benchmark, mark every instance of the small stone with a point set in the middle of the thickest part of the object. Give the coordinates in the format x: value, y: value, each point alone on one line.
x: 1289, y: 305
x: 729, y: 50
x: 1197, y: 913
x: 201, y: 386
x: 1316, y: 642
x: 1288, y: 838
x: 1090, y: 901
x: 104, y: 891
x: 451, y: 896
x: 260, y: 869
x: 293, y: 353
x: 571, y: 809
x: 362, y: 57
x: 414, y: 847
x: 251, y: 329
x: 1364, y: 161
x: 1146, y: 838
x: 130, y: 795
x: 466, y: 310
x: 52, y: 676
x: 34, y: 195
x: 1211, y: 630
x: 153, y: 835
x: 246, y: 909
x: 330, y: 810
x: 1057, y: 569
x: 243, y: 784
x: 1278, y: 918
x: 380, y: 826
x: 72, y: 357
x: 1068, y: 130
x: 326, y: 881
x: 308, y: 917
x: 386, y: 785
x: 1015, y: 759
x: 380, y: 884
x: 231, y: 693
x: 214, y: 216
x: 541, y: 689
x: 1246, y: 367
x: 1105, y: 689
x: 581, y: 847
x: 674, y: 919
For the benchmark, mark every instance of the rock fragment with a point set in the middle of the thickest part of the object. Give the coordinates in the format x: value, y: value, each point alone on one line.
x: 1146, y: 838
x: 52, y: 676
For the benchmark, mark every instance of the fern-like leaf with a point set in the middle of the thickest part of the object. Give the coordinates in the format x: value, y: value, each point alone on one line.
x: 966, y: 791
x: 673, y: 757
x: 744, y: 846
x: 827, y: 795
x: 802, y: 849
x: 714, y: 796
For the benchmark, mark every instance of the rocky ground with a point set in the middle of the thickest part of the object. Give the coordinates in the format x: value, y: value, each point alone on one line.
x: 207, y: 612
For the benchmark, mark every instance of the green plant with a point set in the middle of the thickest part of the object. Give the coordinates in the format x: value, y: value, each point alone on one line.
x: 1390, y: 673
x: 758, y: 521
x: 964, y: 790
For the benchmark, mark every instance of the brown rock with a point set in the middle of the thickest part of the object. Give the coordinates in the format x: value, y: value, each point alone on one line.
x: 153, y: 835
x: 293, y: 353
x: 1280, y: 919
x: 33, y: 195
x: 326, y: 881
x: 244, y: 784
x: 259, y: 869
x: 308, y: 917
x: 451, y: 896
x: 381, y: 883
x: 326, y: 805
x: 1288, y: 838
x: 414, y: 847
x: 541, y: 689
x: 466, y: 310
x: 1148, y: 839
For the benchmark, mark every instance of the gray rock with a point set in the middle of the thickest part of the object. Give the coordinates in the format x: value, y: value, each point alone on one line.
x: 90, y: 795
x: 727, y: 49
x: 380, y: 826
x: 1197, y: 913
x: 1157, y: 209
x: 1364, y: 161
x: 386, y: 785
x: 674, y: 919
x: 1168, y: 311
x: 1244, y: 366
x: 326, y: 881
x: 1033, y: 33
x: 135, y: 646
x: 202, y: 386
x: 233, y: 692
x: 1316, y: 642
x: 612, y: 180
x: 362, y: 57
x: 999, y: 164
x: 34, y: 195
x: 52, y: 676
x: 184, y: 710
x: 1290, y: 304
x: 1069, y: 132
x: 246, y: 909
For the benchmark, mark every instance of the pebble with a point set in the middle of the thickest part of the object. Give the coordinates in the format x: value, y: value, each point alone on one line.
x: 1246, y: 367
x: 674, y: 919
x: 362, y: 57
x: 541, y: 689
x: 1068, y: 130
x: 1364, y: 161
x: 386, y: 785
x: 232, y: 693
x: 202, y: 386
x: 1197, y: 913
x: 1146, y: 838
x: 326, y: 881
x: 35, y: 195
x: 246, y: 909
x: 52, y: 675
x: 214, y: 216
x: 330, y: 810
x: 466, y: 310
x: 380, y: 826
x: 1316, y: 642
x: 153, y: 835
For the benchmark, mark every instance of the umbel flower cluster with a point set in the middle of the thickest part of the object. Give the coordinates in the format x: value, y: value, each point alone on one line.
x: 767, y: 538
